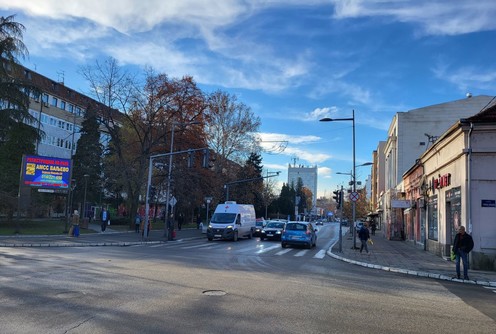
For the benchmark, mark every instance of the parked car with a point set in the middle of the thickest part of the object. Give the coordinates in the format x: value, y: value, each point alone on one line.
x: 299, y: 233
x: 272, y: 230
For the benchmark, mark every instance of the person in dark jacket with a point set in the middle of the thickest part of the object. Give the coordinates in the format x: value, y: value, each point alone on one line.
x: 104, y: 217
x: 462, y: 245
x: 364, y: 236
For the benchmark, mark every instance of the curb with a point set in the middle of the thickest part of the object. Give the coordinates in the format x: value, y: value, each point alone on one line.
x: 409, y: 272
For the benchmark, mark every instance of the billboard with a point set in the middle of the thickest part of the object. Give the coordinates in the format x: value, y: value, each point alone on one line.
x: 46, y: 172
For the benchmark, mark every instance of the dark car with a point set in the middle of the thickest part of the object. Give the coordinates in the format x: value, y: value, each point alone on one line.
x: 299, y: 233
x: 259, y: 225
x: 272, y: 230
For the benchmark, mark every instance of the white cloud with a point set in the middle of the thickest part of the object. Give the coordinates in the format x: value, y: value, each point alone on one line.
x: 435, y: 17
x: 271, y: 137
x: 467, y: 78
x: 324, y: 172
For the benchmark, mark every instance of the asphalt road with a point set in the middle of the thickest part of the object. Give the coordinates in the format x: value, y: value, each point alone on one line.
x: 196, y: 286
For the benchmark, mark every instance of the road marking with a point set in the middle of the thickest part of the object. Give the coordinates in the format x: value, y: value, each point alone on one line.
x: 491, y: 288
x: 266, y: 249
x: 284, y: 251
x: 321, y: 254
x: 301, y: 253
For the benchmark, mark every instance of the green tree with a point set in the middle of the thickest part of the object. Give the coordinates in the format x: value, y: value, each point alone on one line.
x: 17, y: 136
x: 250, y: 191
x: 285, y: 202
x: 88, y: 160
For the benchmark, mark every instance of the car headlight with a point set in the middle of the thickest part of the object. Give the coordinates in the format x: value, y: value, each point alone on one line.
x: 229, y: 227
x: 278, y: 232
x: 209, y: 226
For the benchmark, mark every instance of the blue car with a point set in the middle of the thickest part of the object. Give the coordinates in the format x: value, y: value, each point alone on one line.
x: 299, y: 233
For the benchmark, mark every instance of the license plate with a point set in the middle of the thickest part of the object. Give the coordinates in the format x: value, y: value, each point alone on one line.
x: 294, y: 237
x: 217, y: 235
x: 270, y: 235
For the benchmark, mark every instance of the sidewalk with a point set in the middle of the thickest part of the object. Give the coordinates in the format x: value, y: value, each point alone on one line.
x: 395, y: 256
x: 404, y: 257
x: 108, y: 238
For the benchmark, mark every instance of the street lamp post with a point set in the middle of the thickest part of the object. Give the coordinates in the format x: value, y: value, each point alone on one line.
x: 168, y: 228
x: 352, y: 119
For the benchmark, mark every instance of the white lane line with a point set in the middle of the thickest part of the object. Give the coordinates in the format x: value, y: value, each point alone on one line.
x: 266, y: 249
x: 321, y: 254
x: 284, y: 251
x: 301, y: 253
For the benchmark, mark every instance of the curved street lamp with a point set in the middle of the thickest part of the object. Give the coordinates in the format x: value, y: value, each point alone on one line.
x: 352, y: 119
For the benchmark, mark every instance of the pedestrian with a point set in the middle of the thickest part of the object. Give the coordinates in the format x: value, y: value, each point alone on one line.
x: 373, y: 227
x: 198, y: 221
x: 105, y: 218
x: 364, y: 236
x: 137, y: 222
x: 180, y: 221
x: 462, y: 245
x: 75, y: 223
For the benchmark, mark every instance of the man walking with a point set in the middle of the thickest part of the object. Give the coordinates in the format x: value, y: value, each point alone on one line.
x: 462, y: 245
x: 364, y: 236
x: 105, y: 217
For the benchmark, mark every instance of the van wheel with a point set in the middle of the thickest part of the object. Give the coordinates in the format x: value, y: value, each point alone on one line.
x: 235, y: 236
x: 250, y: 236
x: 283, y: 245
x: 210, y: 239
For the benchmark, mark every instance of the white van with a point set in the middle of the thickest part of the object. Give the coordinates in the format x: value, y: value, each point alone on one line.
x: 232, y: 221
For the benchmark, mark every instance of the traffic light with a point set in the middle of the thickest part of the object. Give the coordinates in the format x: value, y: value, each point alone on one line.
x: 337, y: 197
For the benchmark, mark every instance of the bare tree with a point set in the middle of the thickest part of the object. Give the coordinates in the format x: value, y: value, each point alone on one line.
x: 142, y: 125
x: 231, y: 127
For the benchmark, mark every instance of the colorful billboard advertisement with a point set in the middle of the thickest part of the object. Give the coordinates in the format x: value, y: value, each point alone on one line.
x: 46, y: 172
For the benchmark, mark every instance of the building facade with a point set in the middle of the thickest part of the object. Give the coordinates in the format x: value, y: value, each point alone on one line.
x: 409, y: 135
x: 453, y: 184
x: 308, y: 176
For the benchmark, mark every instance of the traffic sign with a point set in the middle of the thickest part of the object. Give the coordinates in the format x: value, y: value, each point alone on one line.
x: 354, y: 196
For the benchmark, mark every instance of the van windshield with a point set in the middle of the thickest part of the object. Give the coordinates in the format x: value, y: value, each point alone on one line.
x: 223, y: 218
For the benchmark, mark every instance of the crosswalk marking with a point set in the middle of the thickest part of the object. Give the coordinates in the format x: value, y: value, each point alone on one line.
x: 266, y: 249
x: 320, y: 254
x: 301, y: 253
x: 284, y: 251
x: 258, y: 248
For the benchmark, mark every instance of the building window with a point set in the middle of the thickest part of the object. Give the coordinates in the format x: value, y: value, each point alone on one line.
x: 70, y: 108
x: 432, y: 219
x: 62, y: 105
x: 55, y: 101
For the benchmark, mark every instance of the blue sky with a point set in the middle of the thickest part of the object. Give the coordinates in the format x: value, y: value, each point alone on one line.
x: 292, y: 61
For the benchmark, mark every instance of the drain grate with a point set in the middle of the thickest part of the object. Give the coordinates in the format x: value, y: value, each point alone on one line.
x: 214, y: 293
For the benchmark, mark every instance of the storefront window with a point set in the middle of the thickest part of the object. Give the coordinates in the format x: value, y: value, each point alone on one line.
x: 433, y: 221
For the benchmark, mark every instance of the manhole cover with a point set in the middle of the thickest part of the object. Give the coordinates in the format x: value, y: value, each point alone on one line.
x: 214, y: 292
